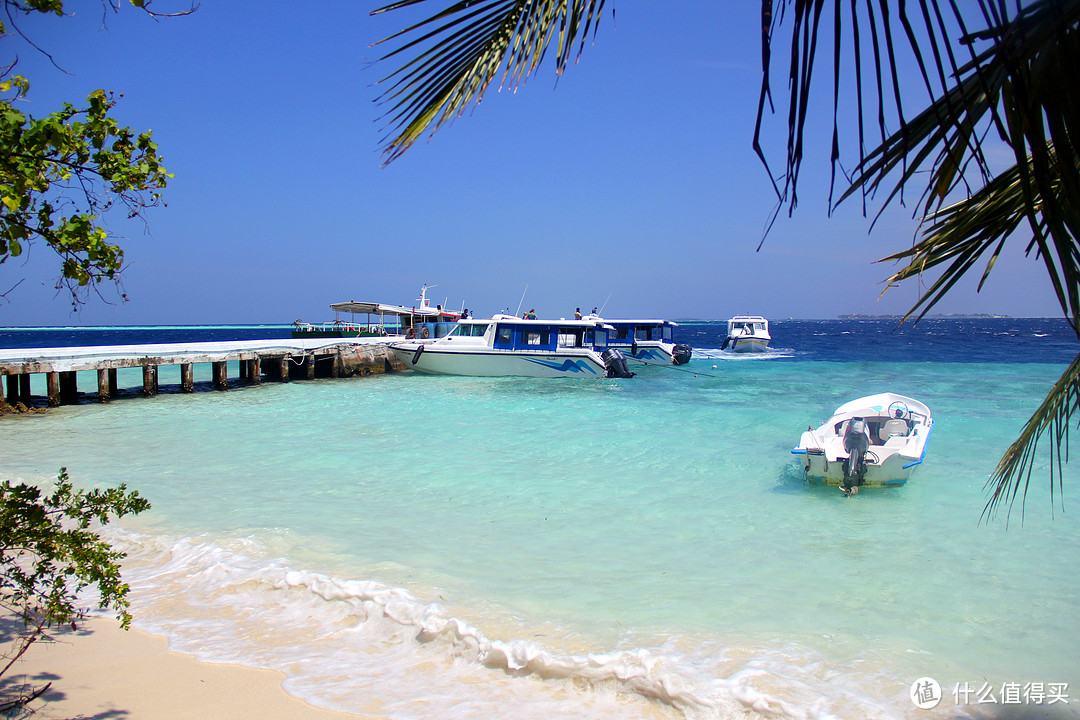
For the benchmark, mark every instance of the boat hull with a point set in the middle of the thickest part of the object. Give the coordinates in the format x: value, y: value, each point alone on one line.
x: 748, y: 344
x: 495, y: 364
x: 655, y: 353
x: 891, y: 473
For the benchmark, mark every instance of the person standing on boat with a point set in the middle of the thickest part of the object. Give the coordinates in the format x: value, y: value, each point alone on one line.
x: 531, y: 315
x: 577, y: 314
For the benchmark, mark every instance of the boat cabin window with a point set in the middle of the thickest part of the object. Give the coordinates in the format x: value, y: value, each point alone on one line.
x: 599, y: 338
x: 621, y: 333
x: 509, y: 337
x: 571, y: 337
x: 535, y: 337
x: 666, y: 333
x: 643, y: 332
x: 504, y: 337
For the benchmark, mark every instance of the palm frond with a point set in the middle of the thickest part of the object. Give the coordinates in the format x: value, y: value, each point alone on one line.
x: 1015, y: 467
x: 459, y: 51
x: 963, y: 233
x: 1025, y: 58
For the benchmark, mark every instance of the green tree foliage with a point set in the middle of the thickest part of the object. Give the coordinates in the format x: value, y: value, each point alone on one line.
x: 994, y: 73
x: 50, y: 551
x: 62, y: 174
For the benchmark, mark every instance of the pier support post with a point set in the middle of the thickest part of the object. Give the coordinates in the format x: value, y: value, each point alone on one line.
x: 338, y: 366
x: 149, y: 380
x: 221, y: 375
x: 69, y: 387
x: 283, y: 369
x: 103, y: 385
x: 52, y: 382
x: 24, y: 388
x: 12, y: 389
x: 309, y: 364
x: 254, y: 371
x: 187, y: 377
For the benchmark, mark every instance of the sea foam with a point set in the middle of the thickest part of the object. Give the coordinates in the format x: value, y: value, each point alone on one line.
x: 362, y: 646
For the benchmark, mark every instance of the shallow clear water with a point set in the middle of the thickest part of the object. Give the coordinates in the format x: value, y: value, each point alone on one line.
x: 468, y: 547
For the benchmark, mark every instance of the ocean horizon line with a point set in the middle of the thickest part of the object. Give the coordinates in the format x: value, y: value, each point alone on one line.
x: 288, y: 325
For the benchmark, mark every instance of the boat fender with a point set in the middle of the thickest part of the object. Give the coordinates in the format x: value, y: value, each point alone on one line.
x: 726, y: 341
x: 633, y: 349
x: 416, y: 356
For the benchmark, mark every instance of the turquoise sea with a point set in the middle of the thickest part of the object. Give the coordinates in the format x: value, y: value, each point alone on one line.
x: 463, y: 548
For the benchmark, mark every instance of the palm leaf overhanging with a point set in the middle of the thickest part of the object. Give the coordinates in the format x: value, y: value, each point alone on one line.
x: 1013, y: 84
x: 457, y: 52
x: 997, y: 74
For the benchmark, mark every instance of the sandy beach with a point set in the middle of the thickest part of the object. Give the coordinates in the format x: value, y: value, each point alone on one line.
x: 101, y: 671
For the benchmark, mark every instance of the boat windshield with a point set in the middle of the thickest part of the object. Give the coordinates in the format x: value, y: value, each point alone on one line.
x: 469, y: 329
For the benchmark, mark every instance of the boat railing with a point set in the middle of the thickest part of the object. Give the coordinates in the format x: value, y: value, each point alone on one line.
x: 373, y: 328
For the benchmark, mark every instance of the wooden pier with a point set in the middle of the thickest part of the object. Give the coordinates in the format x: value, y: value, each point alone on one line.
x: 276, y: 360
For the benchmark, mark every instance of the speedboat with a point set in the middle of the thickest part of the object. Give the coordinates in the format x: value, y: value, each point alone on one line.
x: 507, y: 345
x: 747, y: 333
x: 421, y: 319
x: 875, y: 441
x: 647, y: 341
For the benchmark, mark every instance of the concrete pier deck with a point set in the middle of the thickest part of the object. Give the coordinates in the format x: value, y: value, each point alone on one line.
x: 276, y: 359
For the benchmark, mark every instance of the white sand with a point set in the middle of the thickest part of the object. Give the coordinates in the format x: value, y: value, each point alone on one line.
x: 103, y: 671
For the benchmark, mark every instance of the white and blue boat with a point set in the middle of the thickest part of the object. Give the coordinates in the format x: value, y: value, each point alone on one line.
x: 647, y: 341
x: 510, y: 346
x: 875, y: 441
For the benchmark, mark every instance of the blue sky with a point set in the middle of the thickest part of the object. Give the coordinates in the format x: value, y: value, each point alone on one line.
x: 631, y: 181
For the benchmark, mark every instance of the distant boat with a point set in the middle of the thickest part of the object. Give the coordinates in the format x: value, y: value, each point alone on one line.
x: 647, y: 340
x: 419, y: 320
x: 874, y: 441
x: 747, y: 333
x: 511, y: 346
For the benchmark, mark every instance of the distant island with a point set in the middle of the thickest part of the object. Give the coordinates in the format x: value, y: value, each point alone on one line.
x: 951, y: 316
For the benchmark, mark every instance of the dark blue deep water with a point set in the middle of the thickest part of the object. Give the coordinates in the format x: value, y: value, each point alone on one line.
x: 979, y: 340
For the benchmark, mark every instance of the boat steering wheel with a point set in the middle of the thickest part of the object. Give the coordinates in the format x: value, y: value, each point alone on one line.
x: 899, y: 410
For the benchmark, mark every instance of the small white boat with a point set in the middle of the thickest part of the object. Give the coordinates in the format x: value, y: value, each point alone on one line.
x: 875, y: 441
x: 747, y: 333
x: 506, y: 345
x: 648, y: 341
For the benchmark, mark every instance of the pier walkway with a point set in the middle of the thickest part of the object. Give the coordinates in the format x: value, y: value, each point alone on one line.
x: 276, y: 359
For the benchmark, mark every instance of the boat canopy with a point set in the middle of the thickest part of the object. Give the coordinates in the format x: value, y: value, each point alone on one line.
x: 371, y: 308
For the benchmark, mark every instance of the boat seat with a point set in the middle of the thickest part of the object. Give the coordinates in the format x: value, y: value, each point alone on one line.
x: 893, y: 428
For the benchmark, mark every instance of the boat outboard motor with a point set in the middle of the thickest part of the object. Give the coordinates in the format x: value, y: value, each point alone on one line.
x: 680, y: 354
x: 616, y: 364
x: 856, y: 442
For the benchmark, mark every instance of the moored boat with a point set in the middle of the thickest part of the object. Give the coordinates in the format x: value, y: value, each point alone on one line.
x: 747, y: 333
x: 875, y: 441
x: 510, y: 346
x: 382, y: 320
x: 647, y: 341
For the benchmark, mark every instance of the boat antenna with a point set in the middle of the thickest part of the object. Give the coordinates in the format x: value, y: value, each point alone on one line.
x: 522, y: 298
x: 601, y: 312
